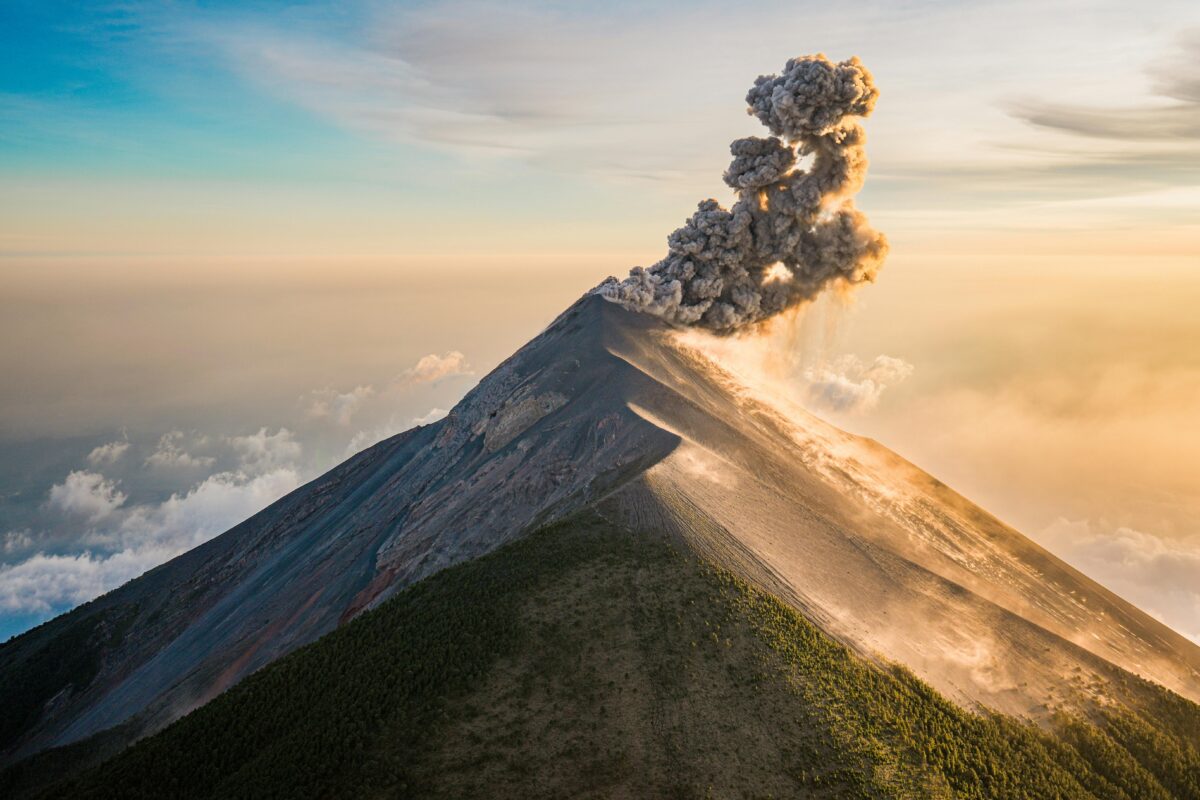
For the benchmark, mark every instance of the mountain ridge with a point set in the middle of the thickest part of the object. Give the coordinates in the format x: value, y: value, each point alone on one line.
x: 588, y: 660
x: 608, y: 404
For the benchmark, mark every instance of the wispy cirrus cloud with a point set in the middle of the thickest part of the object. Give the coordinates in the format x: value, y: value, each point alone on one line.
x: 568, y: 88
x: 1175, y: 80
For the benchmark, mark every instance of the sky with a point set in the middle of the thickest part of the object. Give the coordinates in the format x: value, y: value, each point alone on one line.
x: 240, y: 241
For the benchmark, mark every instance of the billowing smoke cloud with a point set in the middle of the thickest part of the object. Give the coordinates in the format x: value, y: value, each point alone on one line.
x: 792, y: 231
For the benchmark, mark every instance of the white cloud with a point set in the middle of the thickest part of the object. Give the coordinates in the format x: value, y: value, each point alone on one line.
x: 107, y: 453
x: 365, y: 401
x: 17, y: 540
x: 139, y: 538
x: 123, y: 540
x: 218, y: 503
x: 1161, y: 576
x: 847, y: 385
x: 433, y: 367
x: 45, y: 583
x: 263, y: 452
x: 170, y: 453
x: 366, y: 438
x: 338, y: 406
x: 433, y: 416
x: 86, y: 494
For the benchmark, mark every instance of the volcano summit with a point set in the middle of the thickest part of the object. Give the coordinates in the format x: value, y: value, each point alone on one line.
x: 614, y: 569
x: 607, y: 422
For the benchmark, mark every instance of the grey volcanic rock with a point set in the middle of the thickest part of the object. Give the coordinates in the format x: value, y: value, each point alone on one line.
x: 607, y: 405
x: 517, y: 416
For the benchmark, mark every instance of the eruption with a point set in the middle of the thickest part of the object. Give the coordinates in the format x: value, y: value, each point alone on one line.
x: 792, y: 232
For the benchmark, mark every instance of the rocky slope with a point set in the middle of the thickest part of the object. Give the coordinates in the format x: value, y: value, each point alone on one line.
x: 605, y: 405
x: 589, y: 661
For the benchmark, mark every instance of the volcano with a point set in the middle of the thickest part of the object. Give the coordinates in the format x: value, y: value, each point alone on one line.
x: 610, y: 423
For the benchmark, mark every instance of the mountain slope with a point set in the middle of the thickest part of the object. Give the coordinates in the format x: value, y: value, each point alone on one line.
x: 877, y: 552
x: 605, y: 405
x: 589, y: 661
x: 416, y: 503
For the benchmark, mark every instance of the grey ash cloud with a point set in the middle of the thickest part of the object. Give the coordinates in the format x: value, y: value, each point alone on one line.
x: 793, y: 231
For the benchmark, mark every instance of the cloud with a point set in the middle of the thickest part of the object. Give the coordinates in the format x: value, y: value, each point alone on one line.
x: 86, y: 494
x: 568, y: 88
x: 433, y: 368
x: 433, y: 416
x: 263, y: 452
x: 53, y: 562
x: 847, y: 385
x: 366, y: 438
x: 1157, y: 574
x: 376, y: 405
x: 17, y: 540
x: 1177, y: 79
x: 123, y: 541
x: 338, y: 406
x: 107, y: 453
x: 218, y: 503
x: 1178, y: 122
x: 133, y: 540
x: 46, y: 583
x: 171, y: 454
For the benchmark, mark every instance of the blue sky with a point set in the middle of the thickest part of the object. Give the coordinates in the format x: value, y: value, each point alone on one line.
x: 418, y: 106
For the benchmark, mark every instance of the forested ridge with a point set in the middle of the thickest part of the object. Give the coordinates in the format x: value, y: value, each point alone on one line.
x: 584, y: 660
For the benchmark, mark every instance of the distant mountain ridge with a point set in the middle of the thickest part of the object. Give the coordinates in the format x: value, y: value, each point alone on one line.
x: 605, y: 406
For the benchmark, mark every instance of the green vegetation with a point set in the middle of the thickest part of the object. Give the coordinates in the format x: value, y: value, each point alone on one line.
x: 586, y: 661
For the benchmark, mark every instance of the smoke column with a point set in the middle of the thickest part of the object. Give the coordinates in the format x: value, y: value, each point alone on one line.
x: 792, y: 232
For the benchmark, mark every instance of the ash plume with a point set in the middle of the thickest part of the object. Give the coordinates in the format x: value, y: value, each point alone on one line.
x: 722, y: 269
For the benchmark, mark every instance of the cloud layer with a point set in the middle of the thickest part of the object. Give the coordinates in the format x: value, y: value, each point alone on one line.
x: 123, y: 542
x: 109, y: 522
x: 1176, y: 79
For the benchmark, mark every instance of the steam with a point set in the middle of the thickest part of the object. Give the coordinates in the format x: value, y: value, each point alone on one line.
x: 792, y: 232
